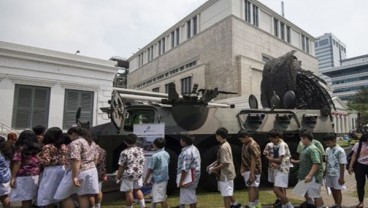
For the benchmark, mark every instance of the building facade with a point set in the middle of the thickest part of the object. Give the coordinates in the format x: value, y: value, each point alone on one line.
x: 348, y: 78
x: 330, y: 51
x: 224, y: 44
x: 45, y: 87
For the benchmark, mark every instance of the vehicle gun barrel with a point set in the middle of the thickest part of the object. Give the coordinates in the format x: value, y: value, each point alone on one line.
x: 141, y: 92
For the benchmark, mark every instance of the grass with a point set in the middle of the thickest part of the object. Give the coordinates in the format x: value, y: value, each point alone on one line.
x: 213, y: 199
x: 344, y: 143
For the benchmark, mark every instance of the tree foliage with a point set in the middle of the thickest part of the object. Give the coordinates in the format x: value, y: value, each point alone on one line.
x: 359, y: 102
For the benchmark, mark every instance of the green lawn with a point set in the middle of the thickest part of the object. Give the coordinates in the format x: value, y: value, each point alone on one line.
x: 213, y: 199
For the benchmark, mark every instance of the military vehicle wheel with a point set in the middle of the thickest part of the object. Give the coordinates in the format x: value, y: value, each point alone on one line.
x: 171, y: 185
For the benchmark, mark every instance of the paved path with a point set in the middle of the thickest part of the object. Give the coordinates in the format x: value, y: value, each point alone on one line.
x: 348, y: 200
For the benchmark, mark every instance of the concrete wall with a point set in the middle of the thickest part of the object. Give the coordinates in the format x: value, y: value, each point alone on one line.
x: 211, y: 48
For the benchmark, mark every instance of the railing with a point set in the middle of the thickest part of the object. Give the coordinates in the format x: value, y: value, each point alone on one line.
x: 5, y: 130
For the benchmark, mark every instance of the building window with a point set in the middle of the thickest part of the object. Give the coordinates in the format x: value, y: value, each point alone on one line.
x: 172, y: 39
x: 31, y: 106
x: 75, y: 99
x: 276, y: 27
x: 303, y: 42
x: 177, y: 36
x: 282, y: 30
x: 307, y: 44
x: 186, y: 85
x: 167, y: 87
x: 149, y: 54
x: 288, y: 34
x: 194, y: 25
x: 247, y: 10
x: 159, y: 47
x: 189, y: 29
x: 163, y: 45
x: 255, y: 15
x: 157, y: 89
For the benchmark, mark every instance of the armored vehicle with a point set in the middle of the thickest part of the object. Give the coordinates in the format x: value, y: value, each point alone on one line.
x: 304, y: 104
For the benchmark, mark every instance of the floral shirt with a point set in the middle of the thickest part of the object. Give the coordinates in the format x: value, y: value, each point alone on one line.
x: 50, y: 155
x: 190, y: 160
x: 4, y: 170
x: 308, y: 156
x: 268, y: 151
x: 80, y: 150
x: 282, y: 149
x: 334, y: 157
x: 251, y: 150
x: 132, y: 160
x: 29, y: 165
x: 101, y: 163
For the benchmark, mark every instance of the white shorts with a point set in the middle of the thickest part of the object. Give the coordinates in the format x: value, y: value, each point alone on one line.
x: 26, y: 188
x: 5, y: 189
x: 226, y: 188
x: 333, y: 182
x: 188, y: 196
x: 87, y: 178
x: 129, y: 185
x: 51, y: 178
x: 314, y: 190
x: 281, y: 179
x: 159, y: 192
x: 255, y: 183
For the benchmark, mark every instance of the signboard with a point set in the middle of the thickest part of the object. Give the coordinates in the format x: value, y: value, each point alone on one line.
x: 147, y: 133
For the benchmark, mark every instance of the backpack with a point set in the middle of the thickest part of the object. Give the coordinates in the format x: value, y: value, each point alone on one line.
x: 350, y: 155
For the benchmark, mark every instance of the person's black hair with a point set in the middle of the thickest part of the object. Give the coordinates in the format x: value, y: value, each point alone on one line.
x: 243, y: 133
x: 160, y: 142
x: 82, y: 132
x: 39, y: 129
x: 54, y: 136
x: 275, y: 133
x: 27, y: 143
x: 67, y: 139
x: 364, y: 137
x: 131, y: 139
x: 2, y: 139
x: 223, y: 132
x: 306, y: 133
x: 188, y: 139
x: 329, y: 137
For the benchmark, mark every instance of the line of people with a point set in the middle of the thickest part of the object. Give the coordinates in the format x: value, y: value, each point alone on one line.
x: 44, y: 167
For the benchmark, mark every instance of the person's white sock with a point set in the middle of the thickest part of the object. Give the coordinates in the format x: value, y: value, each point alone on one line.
x: 235, y: 203
x: 142, y: 203
x: 98, y: 205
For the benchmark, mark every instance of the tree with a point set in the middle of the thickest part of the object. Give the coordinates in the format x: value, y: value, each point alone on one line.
x: 359, y: 102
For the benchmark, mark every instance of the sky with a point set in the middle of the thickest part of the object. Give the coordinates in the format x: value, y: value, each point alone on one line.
x: 107, y: 28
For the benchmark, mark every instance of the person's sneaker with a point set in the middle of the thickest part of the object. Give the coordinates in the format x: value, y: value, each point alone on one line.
x: 236, y: 206
x: 277, y: 204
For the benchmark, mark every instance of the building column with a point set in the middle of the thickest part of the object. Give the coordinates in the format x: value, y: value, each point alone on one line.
x: 335, y: 123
